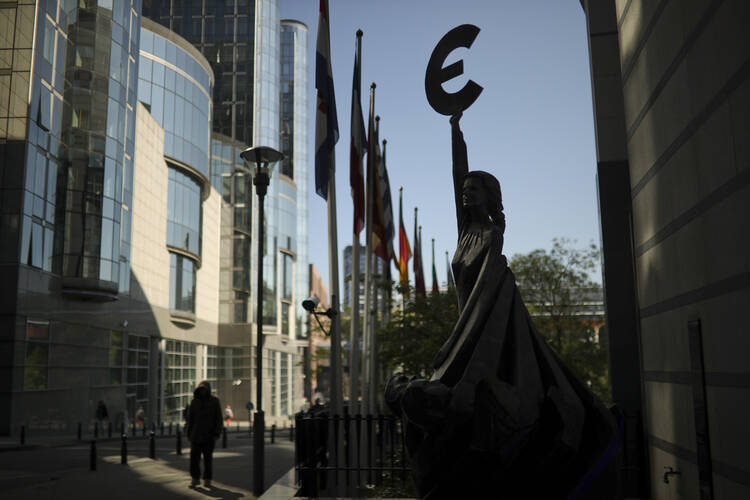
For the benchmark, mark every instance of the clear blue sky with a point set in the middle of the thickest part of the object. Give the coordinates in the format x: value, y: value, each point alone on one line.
x: 532, y: 126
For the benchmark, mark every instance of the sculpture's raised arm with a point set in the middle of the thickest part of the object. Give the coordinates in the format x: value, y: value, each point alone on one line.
x: 460, y: 165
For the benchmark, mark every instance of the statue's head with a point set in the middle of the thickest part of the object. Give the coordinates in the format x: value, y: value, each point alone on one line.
x: 482, y: 190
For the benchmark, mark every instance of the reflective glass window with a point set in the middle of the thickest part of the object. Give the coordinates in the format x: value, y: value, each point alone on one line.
x: 286, y: 276
x: 184, y: 212
x: 182, y: 283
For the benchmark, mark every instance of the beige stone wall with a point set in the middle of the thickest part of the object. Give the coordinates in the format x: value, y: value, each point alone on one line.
x: 149, y: 255
x: 207, y: 280
x: 685, y: 68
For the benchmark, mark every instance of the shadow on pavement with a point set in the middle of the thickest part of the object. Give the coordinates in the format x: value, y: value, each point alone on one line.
x: 215, y: 492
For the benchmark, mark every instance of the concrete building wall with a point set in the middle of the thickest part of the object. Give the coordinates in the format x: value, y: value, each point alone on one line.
x: 150, y: 261
x: 207, y: 303
x: 684, y: 68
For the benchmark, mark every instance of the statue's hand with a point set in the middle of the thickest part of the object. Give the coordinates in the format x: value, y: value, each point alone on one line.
x: 425, y: 403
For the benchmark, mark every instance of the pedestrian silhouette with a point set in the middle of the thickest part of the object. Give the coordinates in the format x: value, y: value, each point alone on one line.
x: 101, y: 412
x: 204, y: 425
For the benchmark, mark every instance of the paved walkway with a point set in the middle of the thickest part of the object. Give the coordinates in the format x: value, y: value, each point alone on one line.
x: 58, y: 468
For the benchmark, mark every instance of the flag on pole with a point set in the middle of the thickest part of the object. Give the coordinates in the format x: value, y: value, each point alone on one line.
x: 418, y: 269
x: 357, y: 149
x: 435, y: 288
x: 404, y: 250
x: 387, y: 229
x: 326, y: 123
x: 374, y: 189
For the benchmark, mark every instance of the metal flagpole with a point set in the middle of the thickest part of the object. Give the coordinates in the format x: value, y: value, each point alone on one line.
x: 354, y: 345
x: 366, y: 407
x: 333, y: 263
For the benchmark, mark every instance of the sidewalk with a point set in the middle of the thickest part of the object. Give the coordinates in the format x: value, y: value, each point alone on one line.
x: 142, y: 479
x: 59, y: 469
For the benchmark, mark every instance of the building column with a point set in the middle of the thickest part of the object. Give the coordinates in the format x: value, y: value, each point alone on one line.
x: 615, y: 217
x: 154, y: 380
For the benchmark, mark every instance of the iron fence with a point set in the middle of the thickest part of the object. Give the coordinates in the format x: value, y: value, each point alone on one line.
x: 348, y: 452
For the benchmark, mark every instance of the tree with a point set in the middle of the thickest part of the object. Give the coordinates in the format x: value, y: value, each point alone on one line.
x: 555, y: 285
x: 412, y: 338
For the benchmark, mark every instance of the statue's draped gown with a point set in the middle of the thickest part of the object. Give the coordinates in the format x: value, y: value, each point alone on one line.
x: 501, y: 415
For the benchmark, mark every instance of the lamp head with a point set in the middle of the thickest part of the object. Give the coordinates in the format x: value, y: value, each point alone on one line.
x: 262, y: 157
x: 310, y: 304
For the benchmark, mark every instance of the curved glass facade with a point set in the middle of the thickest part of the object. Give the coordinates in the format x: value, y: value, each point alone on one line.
x: 177, y: 89
x: 81, y: 127
x: 224, y: 32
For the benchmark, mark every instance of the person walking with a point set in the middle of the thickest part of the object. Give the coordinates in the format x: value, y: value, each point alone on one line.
x: 140, y: 416
x: 228, y: 415
x: 101, y: 412
x: 204, y: 425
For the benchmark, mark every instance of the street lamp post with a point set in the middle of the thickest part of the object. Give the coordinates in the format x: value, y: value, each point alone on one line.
x: 262, y: 157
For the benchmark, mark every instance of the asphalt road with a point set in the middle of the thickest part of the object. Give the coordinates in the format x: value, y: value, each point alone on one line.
x: 63, y: 472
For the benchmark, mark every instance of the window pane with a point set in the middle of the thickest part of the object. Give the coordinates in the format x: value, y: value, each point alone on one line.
x: 37, y: 331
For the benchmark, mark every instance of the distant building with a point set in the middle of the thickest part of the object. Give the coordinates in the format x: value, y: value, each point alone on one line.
x: 317, y: 361
x: 378, y: 270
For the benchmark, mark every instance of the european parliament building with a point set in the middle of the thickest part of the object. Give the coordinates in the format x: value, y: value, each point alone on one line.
x: 128, y: 219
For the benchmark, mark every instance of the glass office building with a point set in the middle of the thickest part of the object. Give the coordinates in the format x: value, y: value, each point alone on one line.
x: 66, y: 122
x: 67, y: 119
x: 242, y: 41
x: 294, y: 145
x: 231, y: 177
x: 126, y: 212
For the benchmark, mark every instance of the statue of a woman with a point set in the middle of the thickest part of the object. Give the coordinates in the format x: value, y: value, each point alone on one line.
x: 501, y: 415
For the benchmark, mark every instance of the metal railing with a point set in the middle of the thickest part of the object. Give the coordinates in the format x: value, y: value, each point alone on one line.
x: 348, y: 452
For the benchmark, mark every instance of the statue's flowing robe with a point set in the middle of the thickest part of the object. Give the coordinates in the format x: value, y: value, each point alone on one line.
x: 517, y: 423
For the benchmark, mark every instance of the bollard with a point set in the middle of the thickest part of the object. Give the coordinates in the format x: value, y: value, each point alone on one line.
x: 124, y: 449
x: 23, y: 434
x: 179, y: 441
x: 273, y: 433
x: 109, y: 430
x: 224, y: 437
x: 92, y: 455
x: 79, y: 431
x: 152, y: 444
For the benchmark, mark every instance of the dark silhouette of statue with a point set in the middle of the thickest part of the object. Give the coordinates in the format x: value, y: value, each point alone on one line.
x: 501, y: 416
